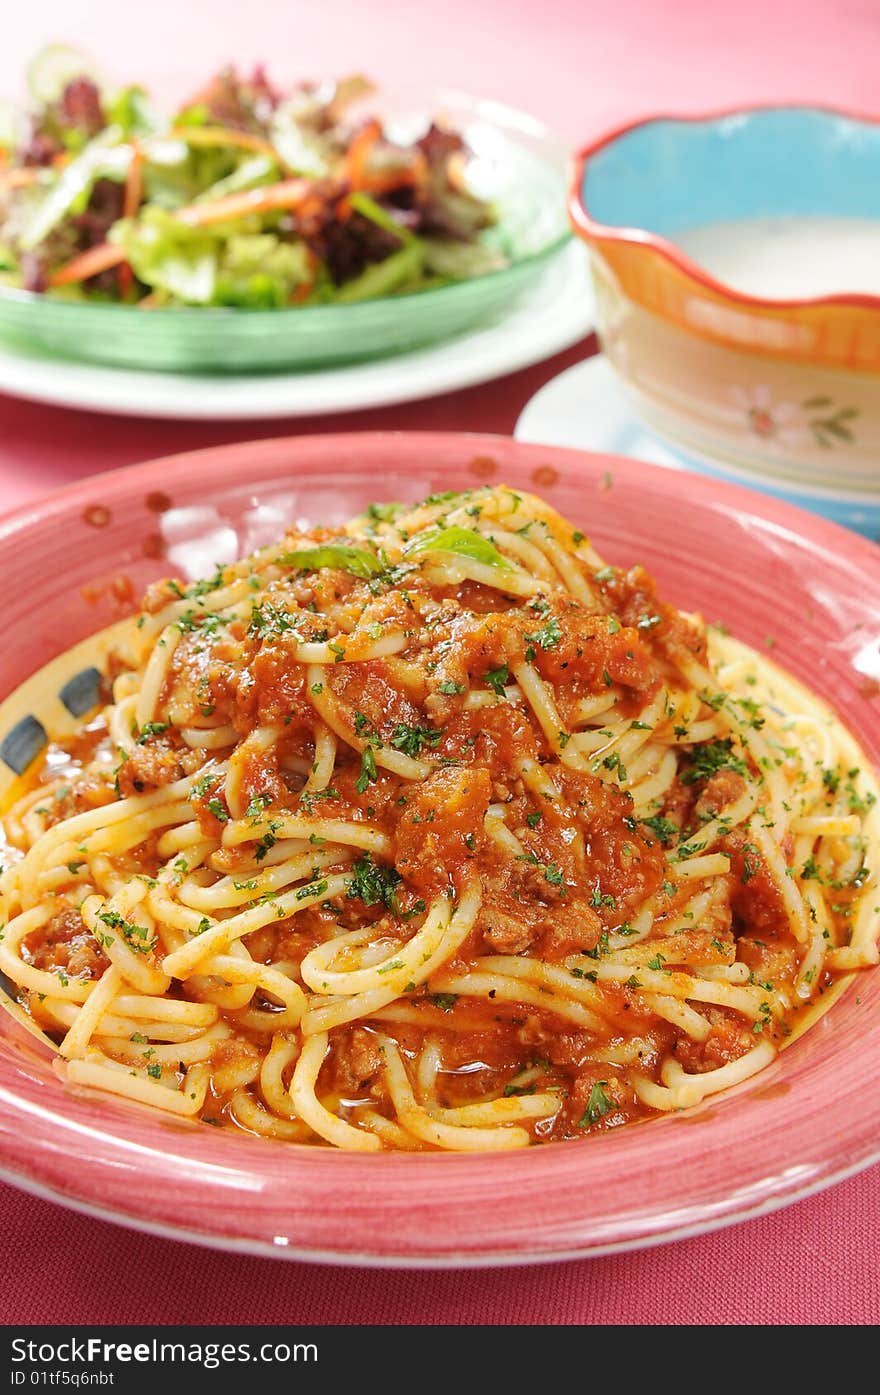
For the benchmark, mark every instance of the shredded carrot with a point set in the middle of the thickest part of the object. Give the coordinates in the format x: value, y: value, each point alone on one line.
x: 134, y: 184
x: 359, y: 152
x: 87, y: 264
x: 218, y: 136
x: 305, y: 290
x: 385, y: 181
x: 358, y: 176
x: 290, y: 193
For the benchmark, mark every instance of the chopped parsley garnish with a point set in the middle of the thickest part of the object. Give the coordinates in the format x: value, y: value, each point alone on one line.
x: 389, y: 968
x: 533, y: 819
x: 268, y: 621
x: 216, y: 807
x: 268, y: 840
x: 136, y: 936
x: 313, y: 888
x: 497, y: 679
x: 207, y: 620
x: 384, y: 513
x: 258, y: 802
x: 369, y: 775
x: 149, y: 730
x: 411, y: 740
x: 708, y: 759
x: 364, y: 727
x: 664, y: 829
x: 374, y: 884
x: 450, y: 688
x: 601, y: 899
x: 811, y: 870
x: 547, y: 637
x: 613, y: 762
x: 444, y: 1001
x: 308, y: 797
x: 751, y: 863
x: 598, y: 1105
x: 552, y: 873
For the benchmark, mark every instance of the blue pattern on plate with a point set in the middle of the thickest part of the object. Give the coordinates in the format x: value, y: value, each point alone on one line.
x: 22, y: 744
x: 81, y: 692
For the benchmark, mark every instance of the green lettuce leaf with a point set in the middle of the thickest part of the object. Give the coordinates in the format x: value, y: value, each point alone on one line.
x: 105, y: 157
x: 259, y: 271
x: 130, y: 110
x: 169, y: 255
x: 459, y: 261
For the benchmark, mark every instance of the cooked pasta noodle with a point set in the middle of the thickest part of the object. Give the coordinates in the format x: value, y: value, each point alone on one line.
x: 435, y: 832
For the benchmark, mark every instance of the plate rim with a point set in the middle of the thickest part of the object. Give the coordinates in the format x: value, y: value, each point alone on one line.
x: 429, y: 370
x: 635, y: 1228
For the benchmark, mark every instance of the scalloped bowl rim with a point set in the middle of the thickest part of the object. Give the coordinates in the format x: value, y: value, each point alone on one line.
x: 591, y: 230
x: 467, y: 1210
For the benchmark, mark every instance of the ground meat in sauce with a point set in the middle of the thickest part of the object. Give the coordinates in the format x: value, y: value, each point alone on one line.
x: 756, y: 902
x: 357, y: 1061
x: 148, y: 767
x: 441, y: 831
x: 65, y: 945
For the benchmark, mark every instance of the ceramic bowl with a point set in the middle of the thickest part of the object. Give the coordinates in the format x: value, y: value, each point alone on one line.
x: 75, y: 561
x: 517, y: 163
x: 737, y: 275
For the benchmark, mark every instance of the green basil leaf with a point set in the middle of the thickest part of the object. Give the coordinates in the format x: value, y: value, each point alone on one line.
x: 342, y: 557
x: 464, y: 542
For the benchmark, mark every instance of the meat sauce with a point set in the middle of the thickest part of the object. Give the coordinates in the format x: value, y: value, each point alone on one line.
x: 587, y: 867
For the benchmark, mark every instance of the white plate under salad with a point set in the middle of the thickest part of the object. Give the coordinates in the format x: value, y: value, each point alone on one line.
x: 553, y: 315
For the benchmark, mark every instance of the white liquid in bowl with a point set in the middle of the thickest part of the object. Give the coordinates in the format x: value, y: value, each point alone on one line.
x: 789, y: 258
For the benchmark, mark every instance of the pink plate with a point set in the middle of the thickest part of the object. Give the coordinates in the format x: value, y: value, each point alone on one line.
x: 772, y: 573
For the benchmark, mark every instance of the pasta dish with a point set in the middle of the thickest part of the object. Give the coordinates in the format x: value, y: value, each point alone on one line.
x: 435, y: 831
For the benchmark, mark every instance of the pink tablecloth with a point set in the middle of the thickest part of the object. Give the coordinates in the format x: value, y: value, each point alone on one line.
x: 581, y: 65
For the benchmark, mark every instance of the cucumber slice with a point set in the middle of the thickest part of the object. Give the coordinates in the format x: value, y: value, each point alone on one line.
x: 10, y: 126
x: 50, y: 70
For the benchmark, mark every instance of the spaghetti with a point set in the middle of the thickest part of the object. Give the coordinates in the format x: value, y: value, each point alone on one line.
x: 436, y: 832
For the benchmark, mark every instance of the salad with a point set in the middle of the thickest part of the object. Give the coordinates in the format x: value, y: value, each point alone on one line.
x: 246, y: 196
